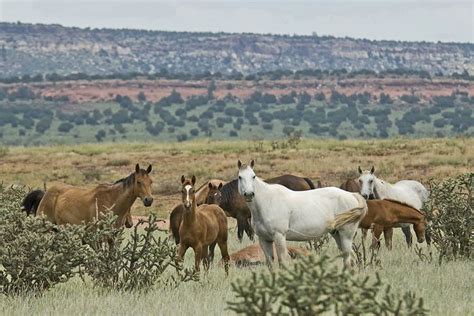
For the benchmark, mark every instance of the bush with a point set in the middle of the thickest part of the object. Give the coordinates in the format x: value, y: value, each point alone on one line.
x: 65, y: 127
x: 450, y: 210
x: 313, y: 286
x: 35, y: 254
x: 133, y: 264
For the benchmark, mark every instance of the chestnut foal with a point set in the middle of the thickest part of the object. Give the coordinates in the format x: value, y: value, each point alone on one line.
x: 202, y: 228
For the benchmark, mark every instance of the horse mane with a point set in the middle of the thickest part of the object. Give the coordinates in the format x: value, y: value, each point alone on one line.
x: 127, y: 181
x: 202, y: 186
x: 228, y: 191
x: 405, y: 204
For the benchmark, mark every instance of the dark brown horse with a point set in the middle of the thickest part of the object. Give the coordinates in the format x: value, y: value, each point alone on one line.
x: 202, y: 228
x: 235, y: 206
x: 352, y: 185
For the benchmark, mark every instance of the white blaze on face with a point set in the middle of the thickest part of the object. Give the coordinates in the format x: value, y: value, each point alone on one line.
x: 188, y: 197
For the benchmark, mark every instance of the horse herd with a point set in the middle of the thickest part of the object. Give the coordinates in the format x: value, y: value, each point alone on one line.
x: 277, y: 210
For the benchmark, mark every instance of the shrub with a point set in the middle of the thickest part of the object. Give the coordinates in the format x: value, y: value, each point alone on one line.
x: 35, y: 254
x: 65, y: 127
x: 313, y: 286
x: 133, y: 264
x: 450, y: 210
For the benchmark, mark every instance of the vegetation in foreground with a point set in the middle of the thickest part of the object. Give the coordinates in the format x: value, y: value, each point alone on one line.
x: 134, y: 269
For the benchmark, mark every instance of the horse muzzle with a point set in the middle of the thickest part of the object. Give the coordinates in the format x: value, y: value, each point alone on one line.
x: 148, y: 201
x: 249, y: 196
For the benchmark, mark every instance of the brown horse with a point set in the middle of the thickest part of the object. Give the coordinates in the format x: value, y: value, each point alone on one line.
x: 235, y: 206
x: 65, y: 204
x: 202, y: 228
x: 202, y: 196
x: 383, y: 215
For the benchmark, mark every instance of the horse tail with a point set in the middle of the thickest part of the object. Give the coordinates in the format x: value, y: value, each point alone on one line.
x: 31, y: 202
x: 353, y: 215
x: 175, y: 221
x: 310, y: 183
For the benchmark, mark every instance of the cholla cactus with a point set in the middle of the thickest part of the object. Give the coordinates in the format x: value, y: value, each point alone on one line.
x: 35, y: 255
x: 451, y: 217
x: 313, y: 286
x: 134, y: 263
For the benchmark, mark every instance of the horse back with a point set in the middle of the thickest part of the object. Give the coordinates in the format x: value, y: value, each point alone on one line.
x: 292, y: 182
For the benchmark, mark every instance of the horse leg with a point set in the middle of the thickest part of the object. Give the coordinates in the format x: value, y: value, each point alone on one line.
x: 407, y: 232
x: 376, y: 233
x: 387, y: 235
x: 346, y: 236
x: 248, y: 229
x: 181, y: 251
x: 281, y: 249
x: 225, y: 253
x: 212, y: 247
x: 205, y: 257
x: 197, y: 257
x: 267, y: 247
x: 240, y: 228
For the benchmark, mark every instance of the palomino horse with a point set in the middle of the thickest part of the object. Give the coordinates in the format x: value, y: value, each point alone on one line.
x: 383, y: 215
x: 202, y: 228
x: 65, y: 204
x: 410, y: 192
x: 280, y: 214
x: 202, y: 194
x: 234, y: 205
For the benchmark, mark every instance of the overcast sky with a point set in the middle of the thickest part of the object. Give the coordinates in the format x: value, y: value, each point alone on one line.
x: 412, y: 20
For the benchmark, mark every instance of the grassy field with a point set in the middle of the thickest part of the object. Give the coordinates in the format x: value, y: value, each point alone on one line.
x: 446, y: 289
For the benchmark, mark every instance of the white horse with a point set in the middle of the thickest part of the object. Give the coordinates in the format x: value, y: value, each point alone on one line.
x: 280, y: 214
x: 410, y: 192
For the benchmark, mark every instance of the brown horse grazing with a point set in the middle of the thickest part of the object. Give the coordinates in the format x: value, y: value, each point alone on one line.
x: 383, y: 215
x: 65, y: 204
x: 202, y: 228
x: 206, y: 190
x: 235, y: 206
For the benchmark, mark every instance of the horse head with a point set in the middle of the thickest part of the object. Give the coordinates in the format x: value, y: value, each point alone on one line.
x: 142, y: 185
x: 188, y: 196
x: 214, y: 196
x: 246, y: 180
x: 367, y: 183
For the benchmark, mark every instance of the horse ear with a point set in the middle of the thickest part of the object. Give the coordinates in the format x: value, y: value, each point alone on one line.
x: 193, y: 180
x: 372, y: 170
x: 220, y: 186
x: 252, y: 163
x: 183, y: 179
x: 137, y: 168
x: 239, y: 164
x: 148, y: 170
x: 360, y: 170
x: 210, y: 185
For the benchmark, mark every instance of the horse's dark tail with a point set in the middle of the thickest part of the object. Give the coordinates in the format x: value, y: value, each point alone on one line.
x: 31, y: 202
x: 310, y: 183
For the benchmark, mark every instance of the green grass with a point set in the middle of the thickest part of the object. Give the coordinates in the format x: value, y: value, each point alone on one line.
x: 446, y: 289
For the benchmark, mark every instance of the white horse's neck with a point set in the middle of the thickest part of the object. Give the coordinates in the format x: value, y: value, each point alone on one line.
x: 382, y: 188
x: 261, y: 192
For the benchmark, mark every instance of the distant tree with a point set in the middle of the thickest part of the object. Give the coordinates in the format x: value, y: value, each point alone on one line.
x: 194, y: 132
x: 233, y: 133
x: 65, y: 127
x: 100, y: 135
x: 182, y: 137
x: 320, y: 96
x: 385, y: 99
x: 141, y: 96
x: 233, y: 111
x: 43, y: 124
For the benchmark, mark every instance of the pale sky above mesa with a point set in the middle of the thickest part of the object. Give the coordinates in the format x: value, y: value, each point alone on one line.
x: 411, y: 20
